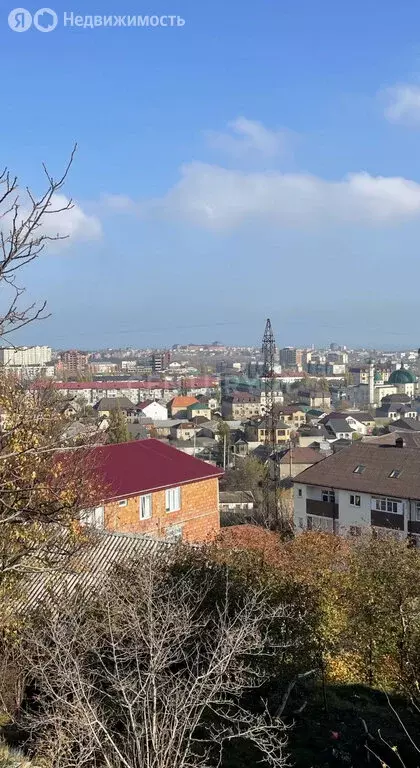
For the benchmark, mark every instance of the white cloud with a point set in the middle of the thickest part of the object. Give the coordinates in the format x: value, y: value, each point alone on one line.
x: 403, y: 104
x: 73, y: 224
x: 250, y: 137
x: 215, y: 197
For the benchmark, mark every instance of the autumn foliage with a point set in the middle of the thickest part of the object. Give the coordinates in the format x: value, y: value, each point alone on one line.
x: 367, y: 597
x: 42, y: 487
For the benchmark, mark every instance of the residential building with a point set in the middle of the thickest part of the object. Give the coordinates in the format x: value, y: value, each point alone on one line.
x: 73, y: 362
x: 276, y: 395
x: 315, y: 398
x: 338, y: 428
x: 160, y: 361
x: 395, y: 407
x: 25, y: 356
x: 236, y: 501
x: 153, y: 410
x: 358, y: 421
x: 154, y: 489
x: 310, y: 436
x: 291, y: 358
x: 241, y: 405
x: 108, y: 404
x: 291, y: 461
x: 106, y: 367
x: 291, y: 415
x: 184, y: 430
x: 177, y: 407
x: 199, y: 409
x: 260, y: 431
x: 366, y: 486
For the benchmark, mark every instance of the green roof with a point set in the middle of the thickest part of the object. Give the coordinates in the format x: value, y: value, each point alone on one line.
x: 197, y: 406
x: 402, y: 376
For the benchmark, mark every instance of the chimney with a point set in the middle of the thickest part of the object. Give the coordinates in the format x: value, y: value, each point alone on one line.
x: 399, y: 442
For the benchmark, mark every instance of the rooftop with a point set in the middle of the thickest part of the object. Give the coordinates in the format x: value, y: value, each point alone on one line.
x: 366, y: 467
x: 129, y: 469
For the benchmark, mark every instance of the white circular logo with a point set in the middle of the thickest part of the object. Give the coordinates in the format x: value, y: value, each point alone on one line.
x: 45, y: 20
x: 19, y: 20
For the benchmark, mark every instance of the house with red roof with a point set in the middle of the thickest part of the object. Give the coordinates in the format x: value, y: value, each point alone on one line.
x: 150, y: 487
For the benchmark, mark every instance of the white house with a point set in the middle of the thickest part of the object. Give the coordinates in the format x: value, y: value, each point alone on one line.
x: 154, y: 410
x: 363, y: 486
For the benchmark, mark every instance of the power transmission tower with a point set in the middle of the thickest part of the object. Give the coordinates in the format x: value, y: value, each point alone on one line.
x: 271, y: 483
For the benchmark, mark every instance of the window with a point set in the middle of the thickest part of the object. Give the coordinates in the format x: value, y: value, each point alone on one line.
x: 122, y: 503
x: 315, y: 523
x: 388, y: 505
x: 328, y: 496
x: 94, y: 517
x: 299, y: 491
x: 174, y: 533
x: 417, y: 512
x: 145, y: 506
x: 359, y: 469
x: 173, y: 499
x: 354, y: 500
x: 395, y: 473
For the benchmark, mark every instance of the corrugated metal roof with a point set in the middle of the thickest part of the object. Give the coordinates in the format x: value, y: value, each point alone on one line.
x: 89, y: 566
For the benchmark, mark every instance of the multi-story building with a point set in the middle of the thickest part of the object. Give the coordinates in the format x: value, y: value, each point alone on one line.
x: 154, y: 489
x: 25, y: 356
x: 73, y: 362
x: 366, y: 486
x: 291, y: 358
x: 160, y: 361
x: 241, y: 405
x: 315, y: 398
x: 291, y: 415
x: 261, y: 431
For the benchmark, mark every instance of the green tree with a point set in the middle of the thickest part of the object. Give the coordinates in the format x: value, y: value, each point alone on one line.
x: 117, y: 430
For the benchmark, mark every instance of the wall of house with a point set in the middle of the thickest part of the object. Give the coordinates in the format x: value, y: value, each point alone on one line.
x: 296, y: 469
x: 198, y: 516
x: 156, y: 411
x: 349, y: 515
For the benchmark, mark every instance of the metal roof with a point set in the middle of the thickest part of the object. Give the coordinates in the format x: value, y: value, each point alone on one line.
x: 87, y: 569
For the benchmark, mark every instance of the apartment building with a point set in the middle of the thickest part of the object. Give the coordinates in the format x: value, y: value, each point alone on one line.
x: 241, y: 405
x: 152, y: 488
x: 25, y: 356
x: 365, y: 486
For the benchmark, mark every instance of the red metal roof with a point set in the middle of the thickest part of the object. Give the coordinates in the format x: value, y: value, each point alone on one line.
x: 104, y: 385
x: 142, y: 466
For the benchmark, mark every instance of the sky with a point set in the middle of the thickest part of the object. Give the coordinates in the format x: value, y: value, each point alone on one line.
x: 262, y: 160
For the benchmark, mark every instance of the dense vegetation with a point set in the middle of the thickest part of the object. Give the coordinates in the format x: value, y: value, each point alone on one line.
x: 303, y: 652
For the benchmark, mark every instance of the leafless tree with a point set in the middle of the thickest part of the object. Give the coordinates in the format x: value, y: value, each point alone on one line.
x: 157, y: 672
x: 23, y: 236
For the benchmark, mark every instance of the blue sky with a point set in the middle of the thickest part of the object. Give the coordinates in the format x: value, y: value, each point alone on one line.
x: 262, y: 160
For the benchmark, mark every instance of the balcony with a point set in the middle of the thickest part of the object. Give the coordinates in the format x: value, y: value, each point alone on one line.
x: 322, y: 508
x: 414, y: 526
x: 387, y: 520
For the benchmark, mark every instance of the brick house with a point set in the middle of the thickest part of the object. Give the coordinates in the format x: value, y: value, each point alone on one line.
x: 152, y: 488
